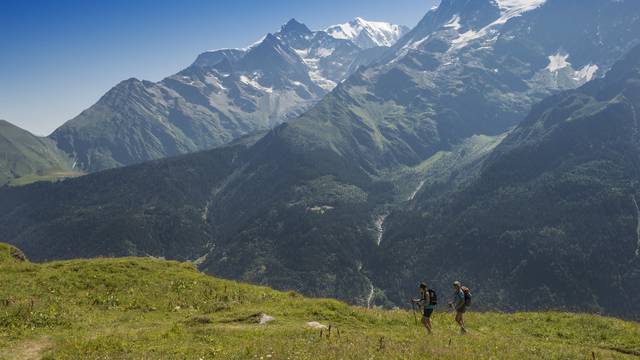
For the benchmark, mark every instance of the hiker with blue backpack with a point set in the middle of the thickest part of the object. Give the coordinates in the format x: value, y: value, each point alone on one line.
x: 428, y: 301
x: 461, y: 301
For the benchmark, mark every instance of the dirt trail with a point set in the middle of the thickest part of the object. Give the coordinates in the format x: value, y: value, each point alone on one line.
x: 30, y: 349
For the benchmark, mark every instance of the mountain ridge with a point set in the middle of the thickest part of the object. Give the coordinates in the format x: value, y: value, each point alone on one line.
x: 556, y: 198
x: 25, y: 157
x: 223, y: 95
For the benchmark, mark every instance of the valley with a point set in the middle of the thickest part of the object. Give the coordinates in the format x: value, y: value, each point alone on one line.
x: 492, y: 142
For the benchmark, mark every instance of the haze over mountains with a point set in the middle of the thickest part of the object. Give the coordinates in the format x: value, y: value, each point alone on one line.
x: 486, y: 144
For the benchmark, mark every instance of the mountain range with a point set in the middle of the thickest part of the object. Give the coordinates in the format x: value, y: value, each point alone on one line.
x: 223, y: 95
x: 556, y: 201
x: 486, y: 144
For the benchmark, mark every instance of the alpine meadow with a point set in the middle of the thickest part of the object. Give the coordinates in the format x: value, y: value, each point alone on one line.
x: 465, y: 187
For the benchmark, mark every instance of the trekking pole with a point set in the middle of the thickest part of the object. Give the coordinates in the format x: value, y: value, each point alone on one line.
x: 413, y: 306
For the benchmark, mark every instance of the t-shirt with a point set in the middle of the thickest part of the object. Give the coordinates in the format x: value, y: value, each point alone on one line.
x: 458, y: 299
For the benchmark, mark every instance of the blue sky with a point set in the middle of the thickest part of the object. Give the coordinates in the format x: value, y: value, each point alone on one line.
x: 58, y: 57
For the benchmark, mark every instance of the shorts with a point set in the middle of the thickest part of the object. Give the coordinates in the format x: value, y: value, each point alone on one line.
x: 462, y: 310
x: 427, y: 313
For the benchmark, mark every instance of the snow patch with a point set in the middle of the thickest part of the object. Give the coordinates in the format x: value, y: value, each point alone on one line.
x: 323, y: 52
x: 454, y: 23
x: 256, y: 85
x: 465, y: 38
x: 321, y: 81
x: 560, y: 61
x: 303, y: 53
x: 509, y: 9
x: 586, y: 73
x: 241, y: 49
x: 256, y: 43
x: 413, y: 45
x: 557, y: 62
x: 213, y: 80
x: 514, y: 8
x: 313, y: 63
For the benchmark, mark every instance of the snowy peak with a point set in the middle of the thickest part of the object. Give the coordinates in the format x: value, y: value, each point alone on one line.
x: 299, y: 56
x: 368, y: 34
x: 295, y: 34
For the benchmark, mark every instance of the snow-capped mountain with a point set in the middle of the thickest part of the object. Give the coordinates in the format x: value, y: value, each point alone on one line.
x: 329, y: 58
x: 223, y: 95
x: 510, y: 53
x: 368, y: 34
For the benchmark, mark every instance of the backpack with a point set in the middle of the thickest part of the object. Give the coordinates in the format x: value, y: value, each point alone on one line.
x: 433, y: 297
x: 467, y: 296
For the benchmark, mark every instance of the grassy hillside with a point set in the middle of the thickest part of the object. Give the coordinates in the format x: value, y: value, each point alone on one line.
x: 147, y: 308
x: 51, y: 175
x: 26, y: 158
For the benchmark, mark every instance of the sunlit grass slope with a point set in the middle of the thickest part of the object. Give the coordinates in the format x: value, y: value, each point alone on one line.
x: 152, y: 309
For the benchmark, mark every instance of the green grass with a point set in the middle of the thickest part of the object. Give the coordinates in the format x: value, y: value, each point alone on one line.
x: 50, y: 176
x: 151, y: 309
x: 24, y: 154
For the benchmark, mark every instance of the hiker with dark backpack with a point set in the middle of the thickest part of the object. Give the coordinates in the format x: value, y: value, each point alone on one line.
x: 461, y: 301
x: 428, y: 300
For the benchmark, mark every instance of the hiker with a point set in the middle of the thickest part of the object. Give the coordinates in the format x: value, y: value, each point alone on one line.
x: 461, y: 299
x: 428, y: 300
